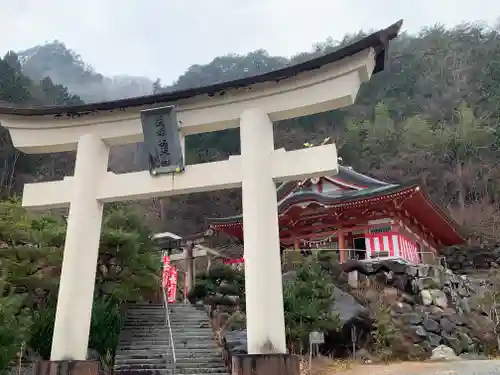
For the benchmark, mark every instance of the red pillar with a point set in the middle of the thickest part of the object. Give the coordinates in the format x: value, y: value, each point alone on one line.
x: 342, y: 247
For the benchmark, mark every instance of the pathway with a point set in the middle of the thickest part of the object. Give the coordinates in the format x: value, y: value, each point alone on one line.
x: 477, y: 367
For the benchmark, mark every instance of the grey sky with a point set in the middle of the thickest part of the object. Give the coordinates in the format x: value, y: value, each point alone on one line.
x: 162, y: 38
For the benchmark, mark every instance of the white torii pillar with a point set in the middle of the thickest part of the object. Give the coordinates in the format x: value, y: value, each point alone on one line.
x: 263, y: 282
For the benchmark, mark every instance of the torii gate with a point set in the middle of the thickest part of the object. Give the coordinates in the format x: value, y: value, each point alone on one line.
x: 252, y: 104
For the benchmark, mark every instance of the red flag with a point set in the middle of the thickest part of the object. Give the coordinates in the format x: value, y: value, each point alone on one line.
x: 234, y: 261
x: 172, y: 286
x: 166, y: 270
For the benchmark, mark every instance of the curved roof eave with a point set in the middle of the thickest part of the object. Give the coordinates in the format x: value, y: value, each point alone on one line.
x: 449, y: 221
x: 378, y: 40
x: 356, y: 178
x: 357, y: 195
x: 322, y: 198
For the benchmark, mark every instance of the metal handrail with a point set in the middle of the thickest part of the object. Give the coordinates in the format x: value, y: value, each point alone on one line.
x: 167, y: 322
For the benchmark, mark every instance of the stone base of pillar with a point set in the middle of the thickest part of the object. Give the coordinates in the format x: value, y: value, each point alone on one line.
x: 265, y: 364
x: 66, y: 368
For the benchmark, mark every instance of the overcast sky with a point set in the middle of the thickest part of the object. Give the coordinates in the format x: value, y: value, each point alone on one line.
x: 162, y: 38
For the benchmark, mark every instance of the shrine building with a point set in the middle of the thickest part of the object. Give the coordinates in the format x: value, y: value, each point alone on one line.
x: 358, y: 216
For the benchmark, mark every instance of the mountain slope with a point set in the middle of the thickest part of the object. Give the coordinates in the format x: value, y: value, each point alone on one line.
x: 432, y: 116
x: 67, y: 68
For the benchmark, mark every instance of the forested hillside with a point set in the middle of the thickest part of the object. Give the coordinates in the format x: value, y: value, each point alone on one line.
x: 432, y: 117
x: 67, y: 68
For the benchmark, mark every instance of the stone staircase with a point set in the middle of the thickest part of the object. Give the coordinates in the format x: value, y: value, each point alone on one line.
x: 144, y: 343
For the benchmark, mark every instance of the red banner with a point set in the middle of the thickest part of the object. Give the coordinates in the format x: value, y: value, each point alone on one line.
x: 166, y: 270
x: 234, y: 261
x: 172, y: 286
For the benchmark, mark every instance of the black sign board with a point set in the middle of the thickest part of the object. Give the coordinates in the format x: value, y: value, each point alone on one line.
x: 162, y: 140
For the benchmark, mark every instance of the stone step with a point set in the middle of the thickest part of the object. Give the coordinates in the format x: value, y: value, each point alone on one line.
x: 164, y: 330
x: 201, y: 370
x: 201, y: 323
x: 156, y: 334
x: 157, y: 338
x: 180, y: 352
x: 161, y: 319
x: 127, y: 371
x: 142, y: 361
x: 210, y: 356
x: 146, y: 345
x: 126, y: 335
x: 142, y: 367
x: 181, y: 362
x: 165, y: 371
x: 180, y: 367
x: 166, y: 335
x: 200, y: 362
x: 144, y: 354
x: 155, y: 321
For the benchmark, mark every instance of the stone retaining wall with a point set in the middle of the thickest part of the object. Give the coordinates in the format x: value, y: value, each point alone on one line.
x: 431, y: 306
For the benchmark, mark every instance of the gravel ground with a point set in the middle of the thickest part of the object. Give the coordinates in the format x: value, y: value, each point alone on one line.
x: 477, y: 367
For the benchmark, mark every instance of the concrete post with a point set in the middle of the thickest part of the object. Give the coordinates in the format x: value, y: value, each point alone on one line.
x: 81, y: 249
x: 263, y: 282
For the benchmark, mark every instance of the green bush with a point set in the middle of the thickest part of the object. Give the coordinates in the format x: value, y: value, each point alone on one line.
x: 14, y: 329
x: 308, y: 303
x: 32, y: 247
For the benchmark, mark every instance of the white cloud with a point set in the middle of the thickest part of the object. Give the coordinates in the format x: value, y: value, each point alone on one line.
x: 159, y: 38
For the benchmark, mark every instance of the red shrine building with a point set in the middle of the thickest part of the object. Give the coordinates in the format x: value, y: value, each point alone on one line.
x: 359, y: 217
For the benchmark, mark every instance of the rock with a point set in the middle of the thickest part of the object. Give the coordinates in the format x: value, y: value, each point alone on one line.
x: 363, y: 355
x: 411, y: 271
x: 427, y: 283
x: 482, y: 329
x: 423, y: 270
x: 434, y: 340
x: 436, y: 312
x: 402, y: 308
x: 465, y: 340
x: 431, y: 325
x: 418, y: 330
x: 446, y: 325
x: 411, y: 318
x: 439, y: 298
x: 236, y: 342
x: 347, y: 308
x: 233, y: 299
x: 426, y: 297
x: 462, y: 291
x: 453, y: 342
x: 401, y: 281
x: 456, y: 319
x: 465, y: 305
x: 407, y: 298
x: 443, y: 353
